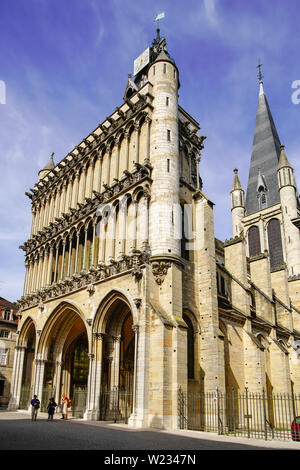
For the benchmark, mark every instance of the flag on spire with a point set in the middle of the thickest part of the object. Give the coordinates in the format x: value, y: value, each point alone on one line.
x: 160, y: 16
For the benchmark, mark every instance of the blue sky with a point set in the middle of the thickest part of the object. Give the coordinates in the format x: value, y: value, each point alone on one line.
x: 65, y: 65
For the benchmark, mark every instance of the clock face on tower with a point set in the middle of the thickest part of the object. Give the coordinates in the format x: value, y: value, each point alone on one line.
x: 141, y: 61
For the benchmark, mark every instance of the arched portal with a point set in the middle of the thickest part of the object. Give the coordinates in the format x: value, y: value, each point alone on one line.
x: 27, y: 343
x: 63, y: 359
x: 115, y: 325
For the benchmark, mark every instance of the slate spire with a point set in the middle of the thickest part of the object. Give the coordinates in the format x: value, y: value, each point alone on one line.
x: 265, y: 156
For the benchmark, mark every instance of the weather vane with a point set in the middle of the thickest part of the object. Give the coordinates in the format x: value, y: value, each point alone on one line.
x: 260, y: 75
x: 160, y: 16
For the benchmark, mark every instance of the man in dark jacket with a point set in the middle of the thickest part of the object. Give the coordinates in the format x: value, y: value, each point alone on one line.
x: 51, y: 408
x: 35, y: 404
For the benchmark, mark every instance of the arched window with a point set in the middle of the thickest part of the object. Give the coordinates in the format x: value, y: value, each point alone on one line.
x: 275, y: 245
x: 254, y: 241
x: 190, y: 347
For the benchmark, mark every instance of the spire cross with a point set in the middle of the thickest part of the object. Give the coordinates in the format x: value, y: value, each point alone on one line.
x: 260, y: 75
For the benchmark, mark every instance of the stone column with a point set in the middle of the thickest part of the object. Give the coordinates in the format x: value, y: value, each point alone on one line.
x: 26, y: 278
x: 94, y: 240
x: 63, y: 260
x: 57, y: 382
x: 98, y: 175
x: 76, y: 256
x: 109, y: 153
x: 15, y: 390
x: 70, y: 257
x: 127, y: 137
x: 84, y: 250
x: 115, y: 362
x: 44, y: 267
x: 94, y: 381
x: 32, y: 231
x: 144, y: 224
x: 147, y: 159
x: 118, y: 160
x: 39, y: 377
x: 137, y: 142
x: 75, y: 190
x: 48, y: 282
x: 56, y: 264
x: 136, y: 337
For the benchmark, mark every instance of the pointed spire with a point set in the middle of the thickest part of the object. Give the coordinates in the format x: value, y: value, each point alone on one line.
x: 236, y: 181
x: 50, y: 165
x: 265, y: 154
x: 283, y: 160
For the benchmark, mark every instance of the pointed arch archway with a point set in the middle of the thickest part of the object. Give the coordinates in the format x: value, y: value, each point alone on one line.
x: 25, y: 354
x: 115, y: 352
x: 62, y: 362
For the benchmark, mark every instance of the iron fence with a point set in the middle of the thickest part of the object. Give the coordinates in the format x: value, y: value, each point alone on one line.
x: 247, y: 414
x: 79, y: 401
x: 116, y: 404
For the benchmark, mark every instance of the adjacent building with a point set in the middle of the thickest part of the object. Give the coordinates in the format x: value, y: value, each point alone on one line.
x: 8, y: 337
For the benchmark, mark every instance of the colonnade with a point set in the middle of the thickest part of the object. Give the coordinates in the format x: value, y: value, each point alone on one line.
x: 101, y: 167
x: 114, y: 230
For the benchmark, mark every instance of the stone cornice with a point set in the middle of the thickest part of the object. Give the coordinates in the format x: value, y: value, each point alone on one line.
x: 85, y: 279
x: 191, y: 135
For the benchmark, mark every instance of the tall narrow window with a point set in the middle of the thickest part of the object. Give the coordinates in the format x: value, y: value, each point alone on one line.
x: 275, y: 244
x: 254, y: 241
x: 168, y: 165
x: 167, y: 101
x: 168, y: 135
x: 165, y: 68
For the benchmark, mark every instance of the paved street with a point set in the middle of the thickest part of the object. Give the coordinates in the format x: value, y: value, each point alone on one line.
x: 18, y: 432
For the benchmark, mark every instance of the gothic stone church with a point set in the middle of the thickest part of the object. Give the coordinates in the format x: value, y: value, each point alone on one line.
x: 126, y: 287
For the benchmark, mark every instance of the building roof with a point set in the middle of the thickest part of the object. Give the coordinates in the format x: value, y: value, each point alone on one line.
x: 265, y: 156
x: 7, y: 304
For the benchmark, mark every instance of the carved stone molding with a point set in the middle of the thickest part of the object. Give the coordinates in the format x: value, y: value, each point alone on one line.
x: 137, y: 303
x: 160, y: 270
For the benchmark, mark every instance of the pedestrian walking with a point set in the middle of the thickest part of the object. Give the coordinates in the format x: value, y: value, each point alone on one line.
x: 65, y: 407
x: 62, y: 407
x: 35, y: 404
x: 51, y: 409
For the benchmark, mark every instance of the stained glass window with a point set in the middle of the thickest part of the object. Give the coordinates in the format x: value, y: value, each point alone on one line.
x: 254, y: 241
x: 275, y: 245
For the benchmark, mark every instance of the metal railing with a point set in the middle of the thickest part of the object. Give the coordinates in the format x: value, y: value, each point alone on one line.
x: 247, y: 414
x: 116, y: 404
x: 79, y: 401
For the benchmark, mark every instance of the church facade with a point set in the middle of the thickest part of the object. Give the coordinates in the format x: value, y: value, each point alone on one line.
x: 126, y: 288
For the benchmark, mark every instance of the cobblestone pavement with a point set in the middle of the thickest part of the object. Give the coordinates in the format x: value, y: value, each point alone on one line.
x: 18, y: 432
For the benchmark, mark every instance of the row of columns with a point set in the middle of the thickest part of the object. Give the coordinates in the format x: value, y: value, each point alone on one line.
x: 52, y: 265
x: 74, y: 189
x: 94, y: 376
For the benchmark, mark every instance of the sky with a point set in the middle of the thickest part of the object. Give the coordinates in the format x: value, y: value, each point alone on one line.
x: 64, y: 67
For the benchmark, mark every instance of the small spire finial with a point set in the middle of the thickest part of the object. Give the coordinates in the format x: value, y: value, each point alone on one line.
x: 260, y: 75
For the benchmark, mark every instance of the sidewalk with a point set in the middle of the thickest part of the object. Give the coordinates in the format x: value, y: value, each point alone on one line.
x: 274, y: 444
